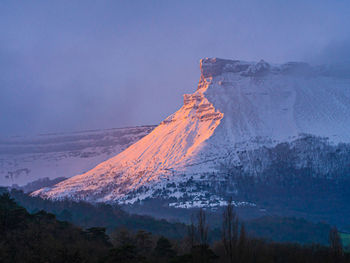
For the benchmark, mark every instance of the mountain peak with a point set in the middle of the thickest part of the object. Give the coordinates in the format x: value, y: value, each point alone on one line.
x: 238, y: 107
x: 212, y: 67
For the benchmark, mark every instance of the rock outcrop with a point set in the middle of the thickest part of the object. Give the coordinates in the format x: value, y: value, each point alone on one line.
x: 238, y: 109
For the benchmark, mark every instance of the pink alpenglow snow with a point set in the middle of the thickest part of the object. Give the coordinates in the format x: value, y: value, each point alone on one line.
x: 238, y: 106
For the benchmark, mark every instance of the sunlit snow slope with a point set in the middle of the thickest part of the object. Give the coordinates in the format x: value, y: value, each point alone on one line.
x: 237, y: 106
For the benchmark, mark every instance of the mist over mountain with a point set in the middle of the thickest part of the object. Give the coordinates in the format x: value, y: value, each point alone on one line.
x: 24, y: 159
x: 270, y: 124
x: 62, y: 71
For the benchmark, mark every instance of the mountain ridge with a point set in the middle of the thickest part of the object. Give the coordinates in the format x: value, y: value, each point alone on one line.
x: 238, y: 106
x: 24, y: 159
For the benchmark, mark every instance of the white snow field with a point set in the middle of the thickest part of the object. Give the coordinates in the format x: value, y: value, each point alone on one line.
x: 237, y: 106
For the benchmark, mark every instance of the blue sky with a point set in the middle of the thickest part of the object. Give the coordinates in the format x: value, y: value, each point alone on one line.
x: 76, y: 65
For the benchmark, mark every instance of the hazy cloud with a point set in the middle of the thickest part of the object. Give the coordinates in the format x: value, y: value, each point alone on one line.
x: 72, y: 65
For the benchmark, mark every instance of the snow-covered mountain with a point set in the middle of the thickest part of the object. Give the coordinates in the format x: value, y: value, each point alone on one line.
x: 25, y: 159
x: 239, y: 111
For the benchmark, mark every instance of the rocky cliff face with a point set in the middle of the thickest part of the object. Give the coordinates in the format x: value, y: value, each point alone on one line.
x: 239, y: 110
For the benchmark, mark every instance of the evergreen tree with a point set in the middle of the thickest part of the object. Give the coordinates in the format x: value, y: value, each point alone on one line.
x: 164, y: 248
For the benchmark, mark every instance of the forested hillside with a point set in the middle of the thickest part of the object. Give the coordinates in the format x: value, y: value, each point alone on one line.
x: 41, y: 237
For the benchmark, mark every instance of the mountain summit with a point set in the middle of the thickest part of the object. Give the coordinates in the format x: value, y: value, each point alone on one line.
x: 239, y: 110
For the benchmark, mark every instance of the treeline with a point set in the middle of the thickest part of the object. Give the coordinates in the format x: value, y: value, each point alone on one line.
x: 87, y: 215
x: 40, y: 237
x: 308, y: 177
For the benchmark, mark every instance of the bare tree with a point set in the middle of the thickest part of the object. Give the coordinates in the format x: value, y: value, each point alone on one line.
x: 202, y: 228
x: 143, y: 242
x: 242, y: 244
x: 230, y: 231
x: 335, y: 244
x: 191, y: 232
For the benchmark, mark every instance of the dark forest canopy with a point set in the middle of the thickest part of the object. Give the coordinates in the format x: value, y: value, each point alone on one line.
x: 280, y: 229
x: 41, y: 237
x: 85, y: 215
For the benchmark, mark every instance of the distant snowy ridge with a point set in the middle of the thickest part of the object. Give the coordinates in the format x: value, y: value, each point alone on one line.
x: 237, y: 107
x: 29, y: 158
